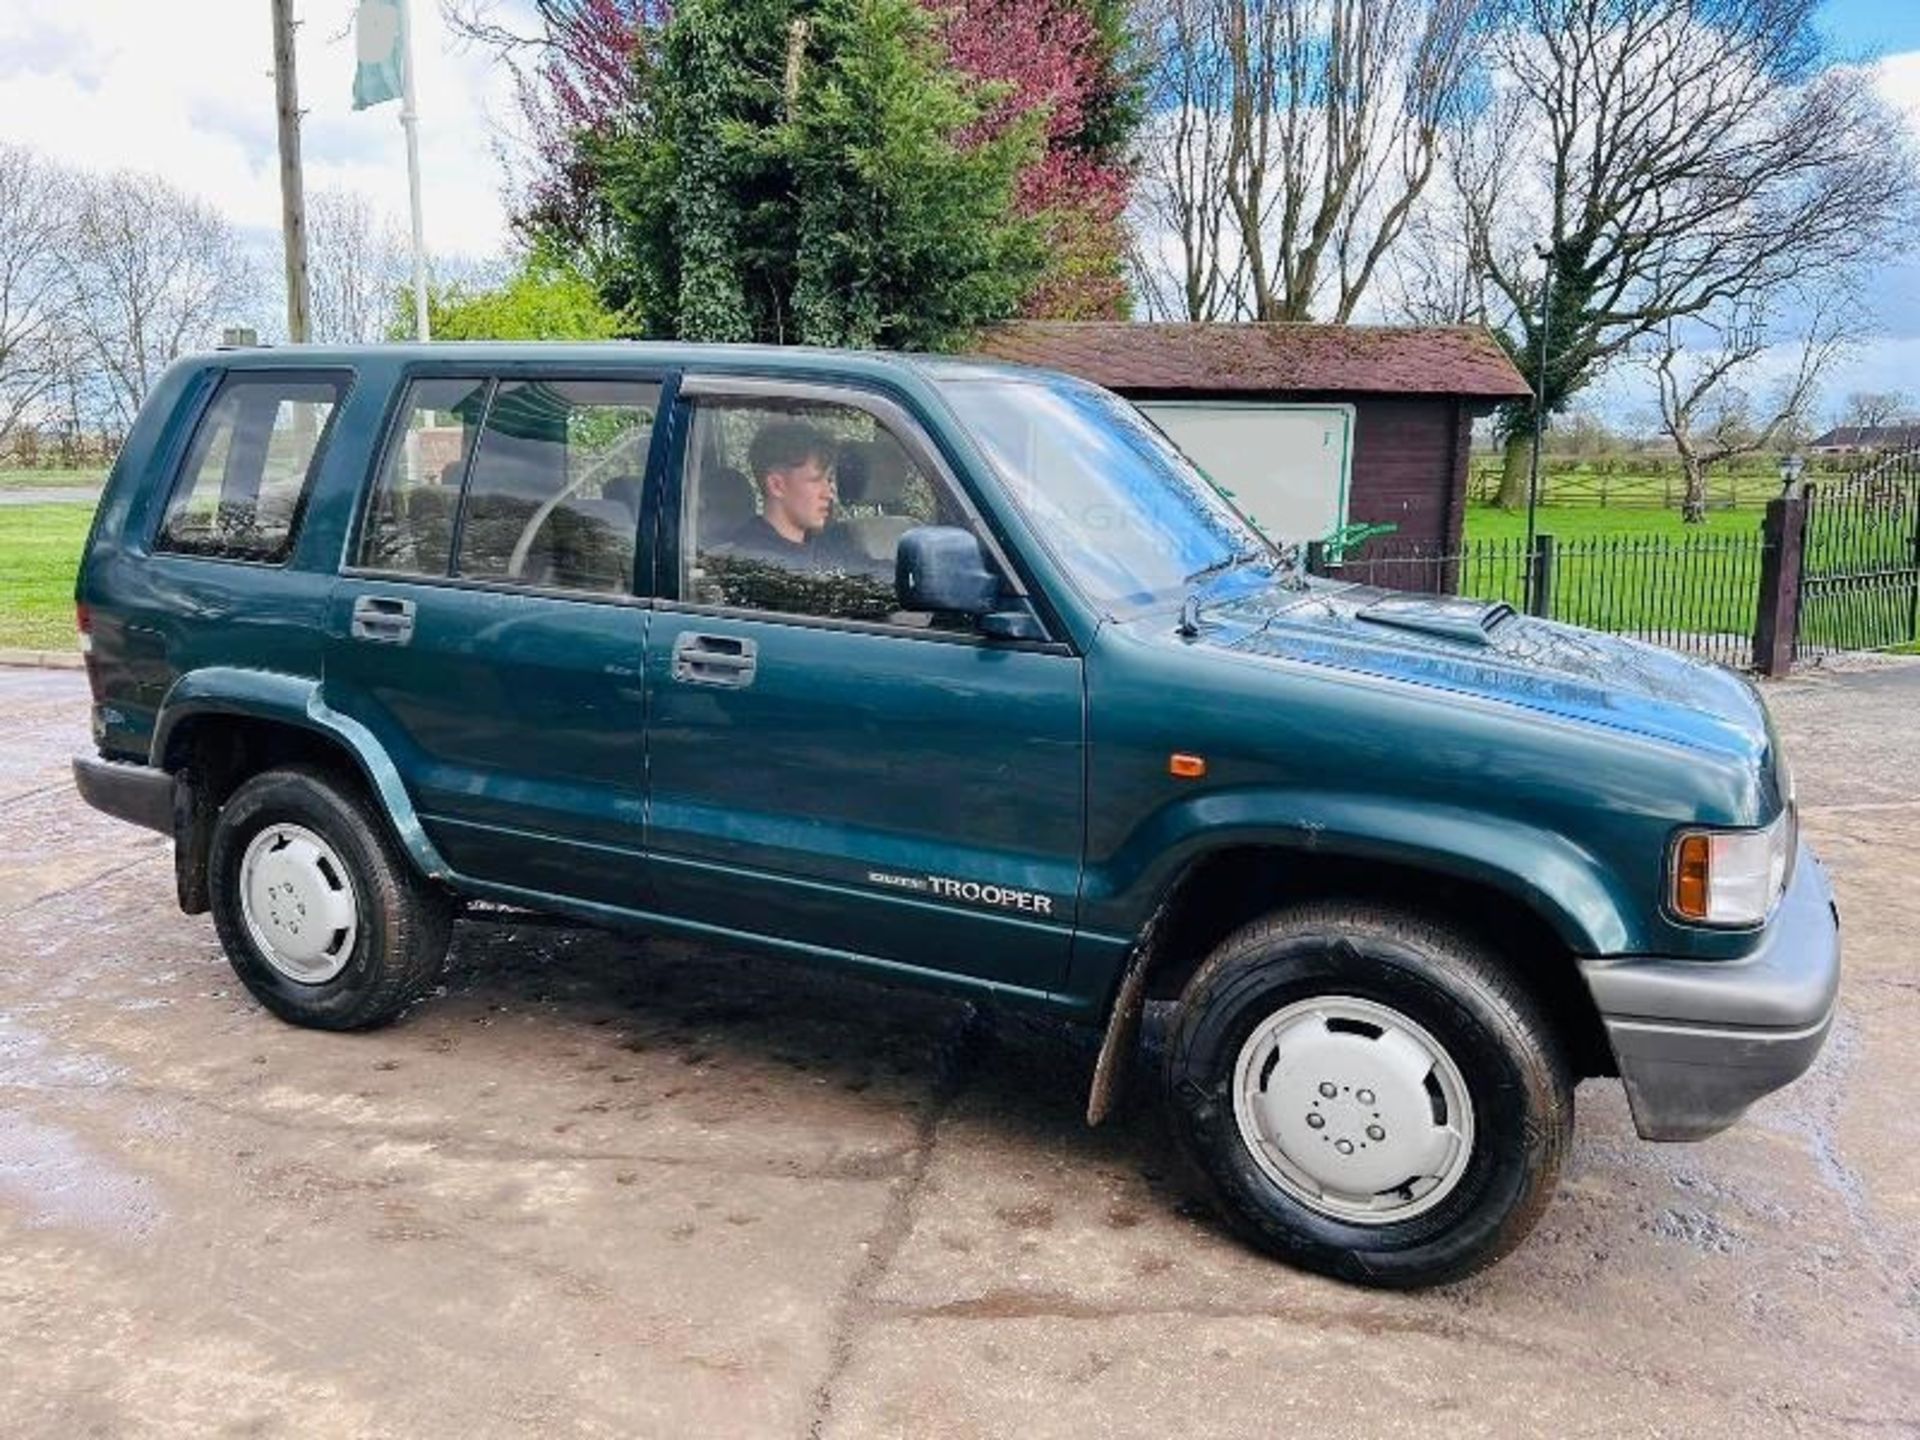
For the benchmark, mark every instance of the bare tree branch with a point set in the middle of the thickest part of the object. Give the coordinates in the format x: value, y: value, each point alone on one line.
x: 1292, y: 140
x: 1180, y: 196
x: 150, y: 273
x: 1681, y: 158
x: 1700, y: 366
x: 35, y: 224
x: 359, y: 260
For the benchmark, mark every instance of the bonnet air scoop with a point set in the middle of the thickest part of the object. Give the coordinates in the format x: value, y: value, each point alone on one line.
x: 1470, y: 622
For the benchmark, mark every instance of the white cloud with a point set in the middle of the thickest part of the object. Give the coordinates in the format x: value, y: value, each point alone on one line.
x: 185, y: 90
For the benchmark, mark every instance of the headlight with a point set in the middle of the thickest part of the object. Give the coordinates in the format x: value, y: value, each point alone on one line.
x: 1732, y: 877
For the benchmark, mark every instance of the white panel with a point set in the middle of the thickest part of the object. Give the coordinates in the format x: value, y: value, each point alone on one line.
x: 1285, y: 466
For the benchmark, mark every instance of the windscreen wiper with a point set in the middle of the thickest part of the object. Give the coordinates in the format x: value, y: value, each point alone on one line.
x: 1197, y: 582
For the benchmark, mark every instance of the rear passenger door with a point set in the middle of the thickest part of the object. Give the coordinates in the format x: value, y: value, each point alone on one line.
x: 487, y: 630
x: 827, y: 769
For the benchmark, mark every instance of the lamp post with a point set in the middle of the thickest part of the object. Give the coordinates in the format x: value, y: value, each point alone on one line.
x: 1530, y: 591
x: 1791, y: 467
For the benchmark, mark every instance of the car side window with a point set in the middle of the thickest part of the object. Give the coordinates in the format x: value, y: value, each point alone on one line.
x: 797, y: 507
x: 253, y: 456
x: 410, y: 518
x: 553, y: 499
x: 539, y: 479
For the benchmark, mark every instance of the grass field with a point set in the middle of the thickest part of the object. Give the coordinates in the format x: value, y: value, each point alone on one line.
x: 51, y: 479
x: 1629, y: 482
x: 1568, y: 522
x: 39, y: 553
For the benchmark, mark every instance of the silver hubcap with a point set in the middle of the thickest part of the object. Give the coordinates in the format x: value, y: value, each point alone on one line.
x: 1353, y: 1109
x: 298, y: 903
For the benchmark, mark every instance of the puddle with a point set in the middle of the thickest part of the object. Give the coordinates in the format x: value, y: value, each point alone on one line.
x: 29, y: 1061
x: 59, y: 1182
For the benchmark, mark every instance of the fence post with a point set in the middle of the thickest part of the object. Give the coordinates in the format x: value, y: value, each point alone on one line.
x: 1540, y: 602
x: 1316, y: 557
x: 1782, y: 557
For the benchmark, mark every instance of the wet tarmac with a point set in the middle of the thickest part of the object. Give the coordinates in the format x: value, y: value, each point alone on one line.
x: 603, y: 1186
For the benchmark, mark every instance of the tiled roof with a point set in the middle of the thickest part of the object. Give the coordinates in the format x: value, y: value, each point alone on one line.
x: 1250, y: 358
x: 1882, y: 437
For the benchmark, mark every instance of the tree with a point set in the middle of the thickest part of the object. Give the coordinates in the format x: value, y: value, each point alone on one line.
x: 150, y: 273
x: 1325, y: 120
x: 814, y: 174
x: 1182, y: 197
x: 35, y: 228
x: 1706, y: 408
x: 1677, y: 158
x: 576, y: 76
x: 543, y: 299
x: 1873, y: 409
x: 359, y: 259
x: 586, y: 73
x: 1067, y: 66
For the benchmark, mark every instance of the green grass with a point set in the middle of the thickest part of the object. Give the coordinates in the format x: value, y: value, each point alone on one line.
x: 1639, y: 571
x: 39, y: 553
x: 51, y: 479
x: 1629, y: 482
x: 1569, y: 522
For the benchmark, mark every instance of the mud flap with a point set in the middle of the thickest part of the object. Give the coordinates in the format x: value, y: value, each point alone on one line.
x: 1123, y: 1021
x: 1123, y: 1032
x: 192, y: 842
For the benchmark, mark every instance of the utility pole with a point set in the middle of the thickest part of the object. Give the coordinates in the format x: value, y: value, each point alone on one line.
x: 293, y: 204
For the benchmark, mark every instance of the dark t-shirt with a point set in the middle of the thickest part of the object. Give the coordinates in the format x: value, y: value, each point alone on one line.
x: 760, y: 541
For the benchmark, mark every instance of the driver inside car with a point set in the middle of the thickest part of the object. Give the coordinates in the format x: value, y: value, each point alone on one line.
x: 793, y: 464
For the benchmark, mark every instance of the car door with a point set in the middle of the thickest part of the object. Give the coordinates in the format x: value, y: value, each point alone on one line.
x: 488, y: 630
x: 825, y: 769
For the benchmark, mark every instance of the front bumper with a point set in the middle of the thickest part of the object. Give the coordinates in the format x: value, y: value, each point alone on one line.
x: 136, y: 793
x: 1698, y: 1041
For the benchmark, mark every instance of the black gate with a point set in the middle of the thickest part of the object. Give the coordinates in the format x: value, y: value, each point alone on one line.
x: 1860, y: 565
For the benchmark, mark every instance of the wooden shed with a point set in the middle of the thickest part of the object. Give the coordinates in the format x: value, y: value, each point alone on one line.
x: 1309, y: 427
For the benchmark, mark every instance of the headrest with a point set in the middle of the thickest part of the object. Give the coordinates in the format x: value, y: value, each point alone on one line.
x: 872, y: 472
x: 726, y: 502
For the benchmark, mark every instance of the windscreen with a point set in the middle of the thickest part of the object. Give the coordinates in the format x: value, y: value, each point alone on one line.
x: 1125, y: 512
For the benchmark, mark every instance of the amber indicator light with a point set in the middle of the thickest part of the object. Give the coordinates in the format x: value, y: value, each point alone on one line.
x: 1186, y: 767
x: 1690, y: 877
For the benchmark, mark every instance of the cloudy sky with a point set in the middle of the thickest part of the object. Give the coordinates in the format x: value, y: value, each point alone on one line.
x: 184, y: 89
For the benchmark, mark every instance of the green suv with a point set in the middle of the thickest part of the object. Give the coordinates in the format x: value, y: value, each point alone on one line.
x: 955, y: 674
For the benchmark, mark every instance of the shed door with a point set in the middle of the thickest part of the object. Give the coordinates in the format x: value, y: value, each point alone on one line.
x: 1285, y: 467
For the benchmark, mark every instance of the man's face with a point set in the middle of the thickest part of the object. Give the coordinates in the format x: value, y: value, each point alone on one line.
x: 802, y: 494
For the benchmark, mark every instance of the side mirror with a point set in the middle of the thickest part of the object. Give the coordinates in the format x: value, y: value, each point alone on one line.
x: 942, y: 568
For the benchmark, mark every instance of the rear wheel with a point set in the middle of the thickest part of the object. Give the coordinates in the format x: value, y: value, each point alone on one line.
x: 1374, y: 1097
x: 322, y: 918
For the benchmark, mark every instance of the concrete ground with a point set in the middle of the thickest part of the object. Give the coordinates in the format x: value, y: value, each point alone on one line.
x: 612, y: 1187
x: 52, y: 495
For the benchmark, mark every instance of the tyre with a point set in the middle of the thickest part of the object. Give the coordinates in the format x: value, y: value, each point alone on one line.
x: 1373, y: 1096
x: 322, y: 917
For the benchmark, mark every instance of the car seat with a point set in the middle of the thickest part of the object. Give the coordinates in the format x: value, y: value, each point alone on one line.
x: 872, y: 479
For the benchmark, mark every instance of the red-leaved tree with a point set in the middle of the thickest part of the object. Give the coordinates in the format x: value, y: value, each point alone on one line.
x: 1048, y: 54
x: 576, y: 77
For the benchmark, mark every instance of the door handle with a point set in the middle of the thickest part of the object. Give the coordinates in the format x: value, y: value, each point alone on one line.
x: 382, y: 619
x: 714, y: 659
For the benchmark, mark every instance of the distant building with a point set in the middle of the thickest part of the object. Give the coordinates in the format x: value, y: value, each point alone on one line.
x: 1865, y: 439
x: 1308, y: 427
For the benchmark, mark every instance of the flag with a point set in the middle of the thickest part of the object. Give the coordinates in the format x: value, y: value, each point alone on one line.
x: 378, y: 45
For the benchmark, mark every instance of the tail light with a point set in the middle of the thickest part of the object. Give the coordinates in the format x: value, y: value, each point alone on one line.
x: 83, y: 622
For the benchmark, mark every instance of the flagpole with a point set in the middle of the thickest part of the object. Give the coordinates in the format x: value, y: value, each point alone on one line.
x: 410, y: 122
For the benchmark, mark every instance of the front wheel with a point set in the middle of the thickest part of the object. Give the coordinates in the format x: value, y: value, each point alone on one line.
x: 1374, y: 1097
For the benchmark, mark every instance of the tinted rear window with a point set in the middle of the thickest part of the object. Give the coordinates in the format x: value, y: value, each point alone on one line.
x: 254, y: 454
